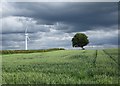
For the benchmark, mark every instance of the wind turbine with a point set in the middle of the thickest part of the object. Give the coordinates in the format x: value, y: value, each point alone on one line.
x: 26, y: 22
x: 26, y: 39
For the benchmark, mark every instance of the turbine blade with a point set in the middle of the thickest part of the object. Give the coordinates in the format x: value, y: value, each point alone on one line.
x: 26, y: 30
x: 28, y: 38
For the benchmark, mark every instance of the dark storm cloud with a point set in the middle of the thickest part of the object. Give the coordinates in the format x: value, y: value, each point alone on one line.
x: 13, y: 37
x: 80, y: 16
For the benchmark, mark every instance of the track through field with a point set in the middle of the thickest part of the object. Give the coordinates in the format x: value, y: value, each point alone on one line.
x: 59, y: 67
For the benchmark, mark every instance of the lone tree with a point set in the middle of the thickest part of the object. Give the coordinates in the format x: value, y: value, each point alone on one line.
x: 80, y: 40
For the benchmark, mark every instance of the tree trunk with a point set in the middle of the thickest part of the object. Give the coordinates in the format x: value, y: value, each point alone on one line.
x: 83, y: 48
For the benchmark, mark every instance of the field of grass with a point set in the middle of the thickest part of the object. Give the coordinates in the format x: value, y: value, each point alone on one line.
x: 61, y: 67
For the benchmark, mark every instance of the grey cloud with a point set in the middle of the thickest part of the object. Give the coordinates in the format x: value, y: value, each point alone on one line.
x: 65, y: 18
x: 84, y: 15
x: 102, y: 37
x: 72, y: 13
x: 12, y: 25
x: 13, y: 37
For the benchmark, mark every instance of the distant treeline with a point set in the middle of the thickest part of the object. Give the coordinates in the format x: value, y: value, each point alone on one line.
x: 28, y: 51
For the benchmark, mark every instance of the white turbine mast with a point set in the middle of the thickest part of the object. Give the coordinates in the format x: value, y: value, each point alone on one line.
x: 26, y: 39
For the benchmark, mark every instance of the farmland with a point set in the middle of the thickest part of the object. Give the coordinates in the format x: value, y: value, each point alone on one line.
x: 61, y: 67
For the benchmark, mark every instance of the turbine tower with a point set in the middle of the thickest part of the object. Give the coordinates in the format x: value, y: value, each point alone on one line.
x: 26, y: 39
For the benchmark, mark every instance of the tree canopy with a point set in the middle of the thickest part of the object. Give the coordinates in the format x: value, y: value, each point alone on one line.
x: 80, y: 40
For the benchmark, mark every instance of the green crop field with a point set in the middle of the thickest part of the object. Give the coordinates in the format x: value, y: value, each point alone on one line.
x: 61, y: 67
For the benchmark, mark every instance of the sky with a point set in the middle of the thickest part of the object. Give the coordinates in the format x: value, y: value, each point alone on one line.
x: 53, y: 24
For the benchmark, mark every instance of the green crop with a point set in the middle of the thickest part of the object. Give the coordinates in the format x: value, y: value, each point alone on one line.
x: 61, y: 67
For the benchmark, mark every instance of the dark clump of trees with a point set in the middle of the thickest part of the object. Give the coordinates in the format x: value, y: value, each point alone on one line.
x: 29, y: 51
x: 80, y: 40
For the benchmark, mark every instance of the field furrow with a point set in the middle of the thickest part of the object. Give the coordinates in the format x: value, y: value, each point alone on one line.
x: 113, y: 56
x: 59, y: 67
x: 106, y: 68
